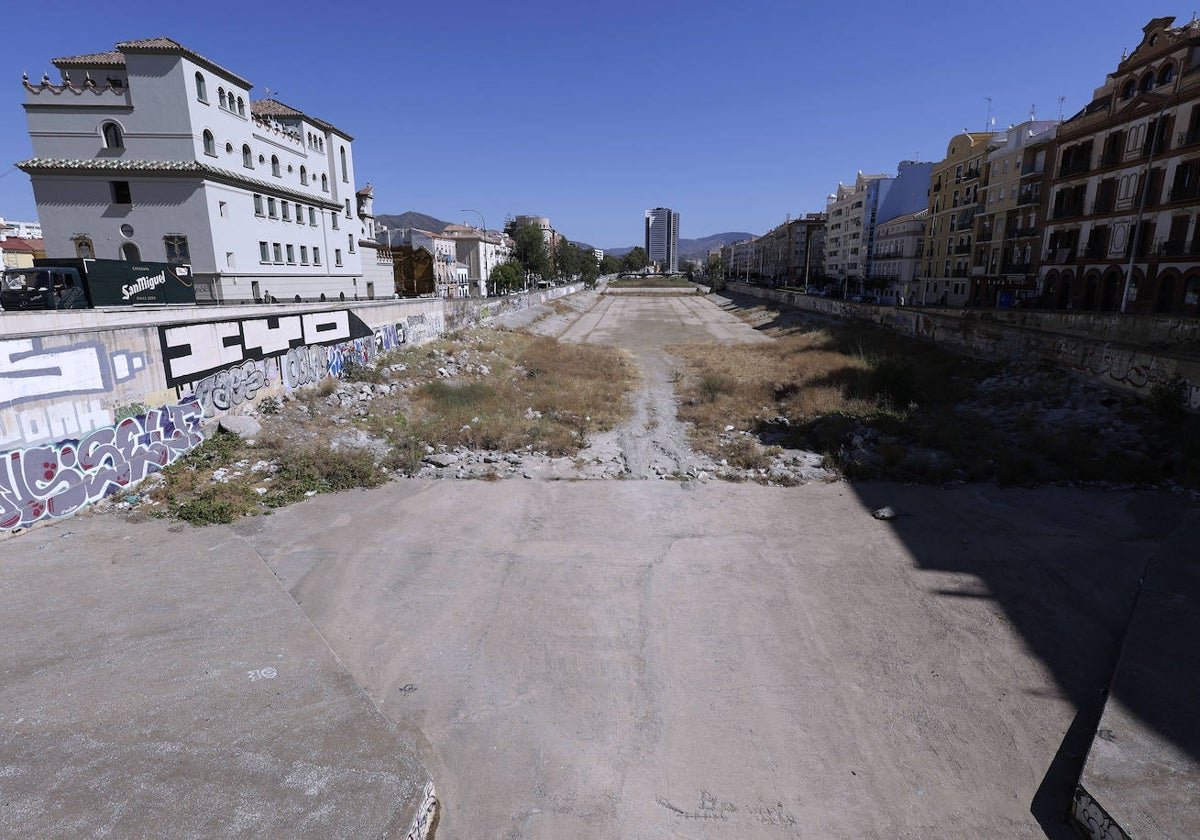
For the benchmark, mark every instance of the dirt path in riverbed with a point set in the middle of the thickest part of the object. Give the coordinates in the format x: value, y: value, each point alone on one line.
x: 652, y: 443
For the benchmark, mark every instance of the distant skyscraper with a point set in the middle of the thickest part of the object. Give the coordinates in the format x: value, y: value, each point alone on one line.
x: 662, y: 237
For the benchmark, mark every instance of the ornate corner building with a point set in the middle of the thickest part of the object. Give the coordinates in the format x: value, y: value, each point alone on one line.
x: 1122, y: 232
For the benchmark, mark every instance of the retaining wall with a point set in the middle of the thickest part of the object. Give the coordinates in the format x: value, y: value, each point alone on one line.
x: 93, y: 401
x: 1131, y: 352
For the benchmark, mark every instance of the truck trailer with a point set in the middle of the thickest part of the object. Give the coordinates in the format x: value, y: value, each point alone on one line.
x: 88, y: 283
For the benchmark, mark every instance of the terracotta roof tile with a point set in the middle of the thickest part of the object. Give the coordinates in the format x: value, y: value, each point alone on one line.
x: 116, y: 58
x: 18, y: 243
x: 275, y: 108
x: 104, y: 59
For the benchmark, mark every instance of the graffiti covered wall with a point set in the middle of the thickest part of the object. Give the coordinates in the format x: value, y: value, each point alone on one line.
x: 88, y: 410
x: 88, y: 413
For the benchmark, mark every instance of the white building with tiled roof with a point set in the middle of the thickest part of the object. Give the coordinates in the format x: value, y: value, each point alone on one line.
x: 153, y: 152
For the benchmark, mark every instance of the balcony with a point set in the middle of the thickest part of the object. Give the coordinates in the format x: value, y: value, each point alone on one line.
x: 1073, y: 167
x: 1067, y: 210
x: 1182, y: 192
x: 1028, y: 197
x: 1014, y: 268
x: 971, y: 173
x: 959, y: 272
x: 962, y: 249
x: 1104, y: 204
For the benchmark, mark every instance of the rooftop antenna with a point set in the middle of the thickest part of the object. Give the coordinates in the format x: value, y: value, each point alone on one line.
x: 988, y: 122
x: 1062, y: 100
x: 1033, y: 112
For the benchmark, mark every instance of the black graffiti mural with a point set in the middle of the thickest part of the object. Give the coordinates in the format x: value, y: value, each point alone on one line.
x: 192, y: 352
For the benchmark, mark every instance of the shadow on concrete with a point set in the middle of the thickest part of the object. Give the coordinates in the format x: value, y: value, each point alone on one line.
x: 1067, y: 580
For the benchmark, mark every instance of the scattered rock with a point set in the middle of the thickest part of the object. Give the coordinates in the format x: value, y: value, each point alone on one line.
x: 241, y: 425
x: 885, y: 513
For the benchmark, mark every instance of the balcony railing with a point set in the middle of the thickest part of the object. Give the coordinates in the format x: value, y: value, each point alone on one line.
x: 1028, y: 197
x: 1111, y: 158
x: 1103, y: 204
x: 959, y: 272
x: 962, y: 249
x: 1183, y: 193
x: 1074, y: 167
x: 1014, y: 268
x: 1067, y: 210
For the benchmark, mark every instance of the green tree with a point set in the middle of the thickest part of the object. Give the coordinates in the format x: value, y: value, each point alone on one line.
x: 531, y: 252
x: 610, y: 265
x: 506, y: 277
x: 635, y: 260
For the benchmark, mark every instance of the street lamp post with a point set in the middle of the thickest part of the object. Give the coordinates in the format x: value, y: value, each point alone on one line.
x: 482, y: 239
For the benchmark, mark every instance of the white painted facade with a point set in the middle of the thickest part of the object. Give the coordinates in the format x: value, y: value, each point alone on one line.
x: 152, y: 152
x: 23, y: 230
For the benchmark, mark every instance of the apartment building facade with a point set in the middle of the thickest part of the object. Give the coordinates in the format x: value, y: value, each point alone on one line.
x: 1011, y: 219
x: 1125, y: 191
x: 850, y: 217
x: 153, y: 152
x: 954, y: 201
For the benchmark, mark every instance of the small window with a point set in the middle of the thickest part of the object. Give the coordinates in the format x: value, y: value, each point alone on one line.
x: 241, y: 107
x: 247, y: 157
x: 350, y: 241
x: 1128, y: 91
x: 264, y: 252
x: 221, y: 97
x: 316, y: 255
x: 130, y: 253
x: 334, y: 216
x: 337, y: 256
x: 291, y: 255
x: 324, y: 182
x: 1147, y: 83
x: 229, y: 261
x: 120, y: 192
x: 303, y: 175
x: 277, y: 251
x: 299, y: 214
x: 287, y: 212
x: 271, y: 211
x: 258, y: 205
x: 275, y: 166
x: 348, y: 216
x: 1166, y: 75
x: 210, y: 146
x: 342, y: 153
x: 201, y: 90
x: 111, y: 132
x: 312, y: 216
x: 177, y: 248
x: 303, y: 255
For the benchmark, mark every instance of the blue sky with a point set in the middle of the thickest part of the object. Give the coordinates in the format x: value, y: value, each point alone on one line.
x: 733, y: 114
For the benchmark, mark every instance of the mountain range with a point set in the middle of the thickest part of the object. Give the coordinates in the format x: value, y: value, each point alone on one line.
x: 694, y: 249
x: 689, y: 249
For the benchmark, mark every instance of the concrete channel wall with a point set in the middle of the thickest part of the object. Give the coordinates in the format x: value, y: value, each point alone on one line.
x: 1131, y: 352
x: 93, y: 401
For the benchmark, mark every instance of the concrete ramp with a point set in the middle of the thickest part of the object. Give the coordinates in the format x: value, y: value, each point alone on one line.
x: 156, y: 681
x: 1142, y: 774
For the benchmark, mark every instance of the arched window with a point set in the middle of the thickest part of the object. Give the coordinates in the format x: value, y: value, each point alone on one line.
x: 111, y: 132
x: 130, y: 253
x: 201, y: 91
x: 241, y: 107
x: 1166, y: 75
x: 324, y: 182
x: 210, y: 146
x: 303, y: 175
x: 342, y: 154
x: 275, y: 166
x: 247, y: 157
x: 221, y: 96
x: 1147, y: 83
x: 1128, y: 90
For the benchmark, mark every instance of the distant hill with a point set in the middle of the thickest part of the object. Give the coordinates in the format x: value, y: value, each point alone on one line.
x: 412, y: 219
x: 693, y: 249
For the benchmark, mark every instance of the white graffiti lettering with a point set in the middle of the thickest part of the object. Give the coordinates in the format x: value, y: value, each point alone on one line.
x: 44, y: 482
